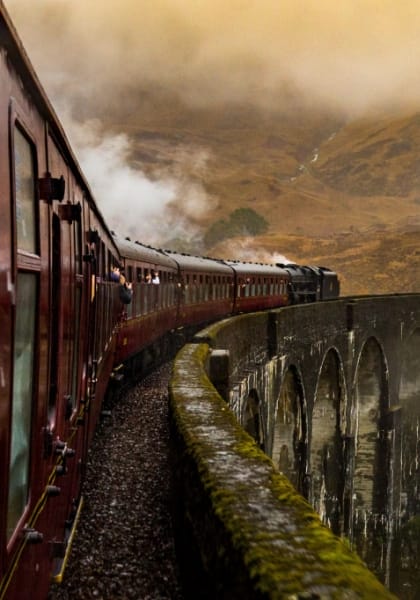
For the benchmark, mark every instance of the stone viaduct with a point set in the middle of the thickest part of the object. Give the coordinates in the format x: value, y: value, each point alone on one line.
x: 325, y: 396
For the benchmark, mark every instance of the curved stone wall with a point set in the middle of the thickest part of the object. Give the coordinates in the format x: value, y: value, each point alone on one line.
x: 243, y: 530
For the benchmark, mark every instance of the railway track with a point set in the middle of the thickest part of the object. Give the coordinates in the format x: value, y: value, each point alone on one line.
x: 124, y: 546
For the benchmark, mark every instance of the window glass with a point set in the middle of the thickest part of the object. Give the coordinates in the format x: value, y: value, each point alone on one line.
x: 23, y: 367
x: 76, y: 347
x: 25, y: 193
x: 55, y: 315
x: 78, y: 245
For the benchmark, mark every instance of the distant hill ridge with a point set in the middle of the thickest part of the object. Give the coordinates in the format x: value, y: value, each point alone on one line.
x: 349, y: 188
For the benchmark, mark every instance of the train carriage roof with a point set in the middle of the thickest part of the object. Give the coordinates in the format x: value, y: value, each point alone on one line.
x: 141, y: 253
x: 257, y: 269
x: 199, y: 264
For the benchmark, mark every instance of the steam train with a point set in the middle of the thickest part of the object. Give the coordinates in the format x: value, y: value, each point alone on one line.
x: 65, y: 332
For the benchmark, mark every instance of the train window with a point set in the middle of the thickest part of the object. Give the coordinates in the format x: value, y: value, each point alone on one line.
x: 207, y: 288
x: 145, y: 295
x: 23, y: 378
x: 76, y: 347
x: 25, y: 193
x: 26, y: 310
x: 168, y: 289
x: 247, y: 287
x: 103, y: 268
x: 55, y: 314
x: 167, y: 301
x: 78, y: 247
x: 130, y: 308
x: 140, y: 299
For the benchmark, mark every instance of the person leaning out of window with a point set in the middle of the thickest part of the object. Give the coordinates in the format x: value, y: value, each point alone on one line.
x: 125, y: 290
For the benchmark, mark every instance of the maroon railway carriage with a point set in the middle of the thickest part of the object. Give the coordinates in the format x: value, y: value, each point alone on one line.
x: 206, y: 289
x: 154, y: 307
x: 259, y: 286
x: 55, y: 250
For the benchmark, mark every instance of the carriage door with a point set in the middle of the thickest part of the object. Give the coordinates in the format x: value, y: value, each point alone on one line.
x: 55, y: 318
x: 65, y: 297
x: 28, y: 267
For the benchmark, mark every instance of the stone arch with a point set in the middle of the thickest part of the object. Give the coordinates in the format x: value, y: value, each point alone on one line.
x: 409, y: 398
x: 371, y: 453
x: 410, y: 370
x: 326, y: 444
x: 252, y: 418
x: 289, y: 451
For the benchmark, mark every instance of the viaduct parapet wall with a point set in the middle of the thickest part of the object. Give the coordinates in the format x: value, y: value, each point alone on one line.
x: 321, y: 396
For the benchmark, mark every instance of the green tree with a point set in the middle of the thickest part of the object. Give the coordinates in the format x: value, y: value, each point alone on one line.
x: 241, y: 222
x: 217, y: 232
x: 247, y: 222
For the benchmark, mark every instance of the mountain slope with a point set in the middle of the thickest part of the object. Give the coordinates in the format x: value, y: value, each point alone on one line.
x: 346, y: 195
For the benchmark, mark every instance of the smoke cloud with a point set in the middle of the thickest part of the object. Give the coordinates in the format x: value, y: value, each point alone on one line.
x: 244, y: 249
x: 132, y: 203
x: 350, y: 56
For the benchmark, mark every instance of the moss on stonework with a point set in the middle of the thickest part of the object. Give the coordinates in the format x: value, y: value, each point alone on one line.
x: 284, y: 551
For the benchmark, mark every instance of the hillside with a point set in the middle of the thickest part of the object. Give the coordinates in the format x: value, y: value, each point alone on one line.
x: 345, y: 195
x: 221, y: 122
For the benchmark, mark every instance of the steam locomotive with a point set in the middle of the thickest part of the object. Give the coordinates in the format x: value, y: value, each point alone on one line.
x: 65, y: 331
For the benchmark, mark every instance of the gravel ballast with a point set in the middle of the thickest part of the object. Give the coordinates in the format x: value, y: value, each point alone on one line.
x: 124, y: 545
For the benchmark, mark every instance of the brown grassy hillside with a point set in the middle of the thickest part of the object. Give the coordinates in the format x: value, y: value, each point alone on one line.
x: 344, y: 195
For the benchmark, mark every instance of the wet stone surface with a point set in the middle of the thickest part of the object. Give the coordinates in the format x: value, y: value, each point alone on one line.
x: 124, y: 545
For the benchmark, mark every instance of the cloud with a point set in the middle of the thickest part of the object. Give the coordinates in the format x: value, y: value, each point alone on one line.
x: 350, y: 56
x: 133, y: 204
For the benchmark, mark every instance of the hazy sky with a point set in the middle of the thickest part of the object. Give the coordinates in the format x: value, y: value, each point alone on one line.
x: 348, y: 56
x: 351, y: 54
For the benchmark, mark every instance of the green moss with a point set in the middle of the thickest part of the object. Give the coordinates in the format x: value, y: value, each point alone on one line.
x: 285, y: 551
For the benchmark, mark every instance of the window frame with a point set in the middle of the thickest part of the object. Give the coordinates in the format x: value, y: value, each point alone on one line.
x: 24, y: 262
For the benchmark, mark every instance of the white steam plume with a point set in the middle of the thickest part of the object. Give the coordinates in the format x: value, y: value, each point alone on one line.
x: 244, y: 249
x: 133, y: 204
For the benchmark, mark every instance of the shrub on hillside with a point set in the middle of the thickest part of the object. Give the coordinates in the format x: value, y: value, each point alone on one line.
x: 241, y: 222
